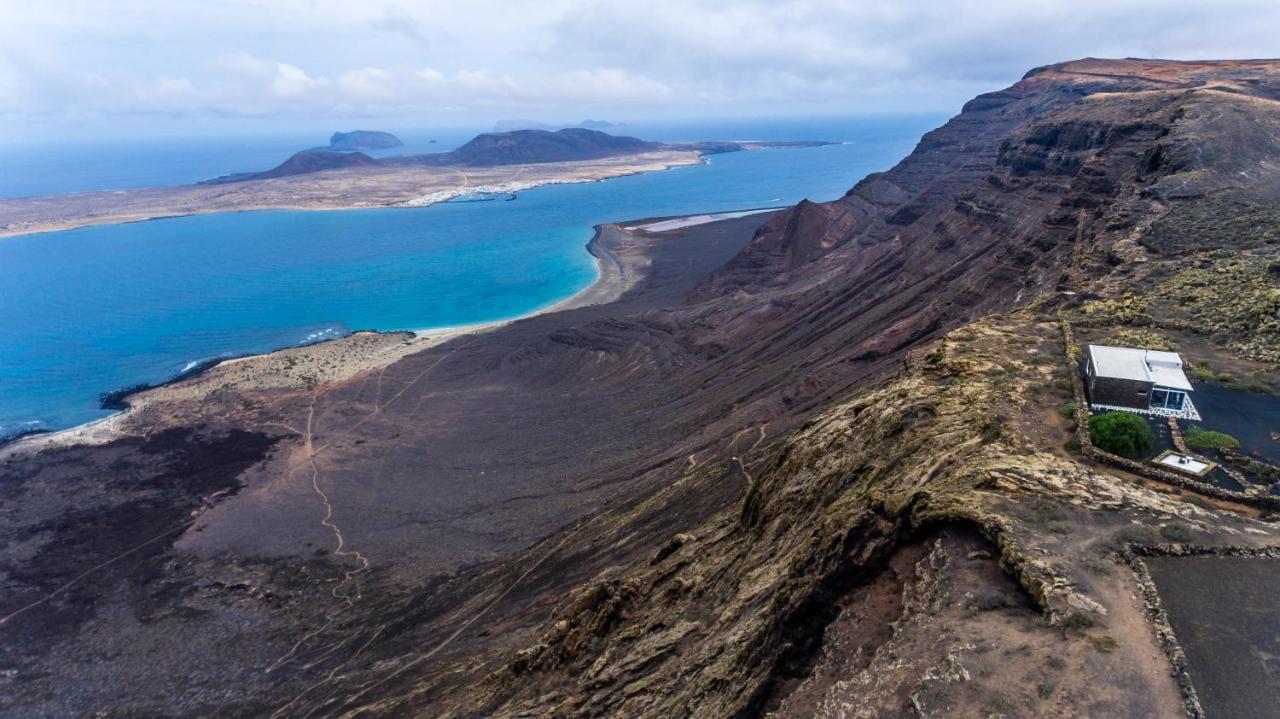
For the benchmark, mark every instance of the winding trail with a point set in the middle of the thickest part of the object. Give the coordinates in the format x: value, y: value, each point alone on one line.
x: 751, y: 482
x: 309, y: 453
x: 340, y: 550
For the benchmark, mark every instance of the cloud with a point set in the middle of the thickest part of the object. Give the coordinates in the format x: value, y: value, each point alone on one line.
x: 246, y: 85
x: 426, y: 59
x: 243, y: 77
x: 397, y: 19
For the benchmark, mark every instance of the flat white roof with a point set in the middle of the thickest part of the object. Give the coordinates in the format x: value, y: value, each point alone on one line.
x: 1188, y: 464
x: 1162, y: 368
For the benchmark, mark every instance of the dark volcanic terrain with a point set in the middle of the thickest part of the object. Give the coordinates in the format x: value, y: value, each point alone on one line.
x: 812, y: 463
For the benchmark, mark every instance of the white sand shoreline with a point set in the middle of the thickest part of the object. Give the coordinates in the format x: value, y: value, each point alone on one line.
x: 341, y: 358
x: 372, y: 349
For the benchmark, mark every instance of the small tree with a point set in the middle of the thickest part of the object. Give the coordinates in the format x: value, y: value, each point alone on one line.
x: 1121, y: 433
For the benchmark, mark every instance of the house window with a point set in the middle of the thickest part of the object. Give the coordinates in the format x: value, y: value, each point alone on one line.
x: 1167, y: 399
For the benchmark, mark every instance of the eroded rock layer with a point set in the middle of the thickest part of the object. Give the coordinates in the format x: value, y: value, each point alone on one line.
x: 813, y: 463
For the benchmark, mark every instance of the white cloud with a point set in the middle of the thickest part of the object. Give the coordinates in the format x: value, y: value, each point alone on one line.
x: 293, y: 59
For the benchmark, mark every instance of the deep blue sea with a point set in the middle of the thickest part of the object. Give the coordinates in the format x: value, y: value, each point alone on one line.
x: 90, y: 310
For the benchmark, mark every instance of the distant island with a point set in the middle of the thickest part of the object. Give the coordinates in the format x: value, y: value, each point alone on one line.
x: 359, y: 140
x: 495, y: 149
x: 326, y: 178
x: 522, y: 124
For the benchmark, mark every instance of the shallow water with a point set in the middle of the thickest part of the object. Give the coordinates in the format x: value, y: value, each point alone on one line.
x: 100, y: 308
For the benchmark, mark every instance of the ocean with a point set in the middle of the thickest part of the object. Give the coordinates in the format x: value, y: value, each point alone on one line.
x: 87, y: 311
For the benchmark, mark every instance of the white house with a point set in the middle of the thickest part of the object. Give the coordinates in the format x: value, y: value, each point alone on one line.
x: 1137, y: 380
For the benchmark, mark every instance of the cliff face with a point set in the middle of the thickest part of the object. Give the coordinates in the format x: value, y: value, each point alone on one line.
x: 820, y: 472
x: 1033, y: 197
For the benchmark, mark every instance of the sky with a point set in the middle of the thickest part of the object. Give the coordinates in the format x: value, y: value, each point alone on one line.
x: 137, y: 67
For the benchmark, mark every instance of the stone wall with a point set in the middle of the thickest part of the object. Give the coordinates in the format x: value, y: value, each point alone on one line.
x: 1141, y: 468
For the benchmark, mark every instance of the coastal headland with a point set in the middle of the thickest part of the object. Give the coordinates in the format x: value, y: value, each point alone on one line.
x: 823, y: 461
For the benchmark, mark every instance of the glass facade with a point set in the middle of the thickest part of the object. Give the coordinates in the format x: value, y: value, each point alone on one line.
x: 1162, y: 398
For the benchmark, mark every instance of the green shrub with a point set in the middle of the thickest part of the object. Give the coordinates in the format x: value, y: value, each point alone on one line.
x: 992, y: 428
x: 1060, y: 527
x: 1196, y: 500
x: 1068, y: 410
x: 1203, y: 439
x: 1253, y: 385
x: 1105, y: 644
x: 1077, y: 621
x: 1202, y: 373
x: 1175, y: 532
x: 1132, y: 534
x: 1121, y: 433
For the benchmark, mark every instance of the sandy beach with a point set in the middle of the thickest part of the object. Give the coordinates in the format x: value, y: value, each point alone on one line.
x: 619, y: 265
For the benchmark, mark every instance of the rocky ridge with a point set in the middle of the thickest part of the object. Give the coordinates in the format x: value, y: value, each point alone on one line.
x: 826, y: 477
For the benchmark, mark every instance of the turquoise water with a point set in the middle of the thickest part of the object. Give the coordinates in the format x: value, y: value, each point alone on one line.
x: 95, y: 309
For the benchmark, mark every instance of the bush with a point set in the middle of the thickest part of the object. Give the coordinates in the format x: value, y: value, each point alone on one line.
x: 1203, y: 439
x: 1253, y: 385
x: 1133, y: 534
x: 1077, y: 621
x: 992, y: 428
x: 1121, y: 433
x: 1202, y: 373
x: 1068, y: 410
x: 1197, y: 500
x: 1105, y: 644
x: 986, y: 600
